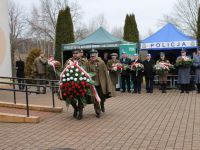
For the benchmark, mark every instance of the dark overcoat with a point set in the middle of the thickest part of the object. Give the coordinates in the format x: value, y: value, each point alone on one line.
x: 196, y: 65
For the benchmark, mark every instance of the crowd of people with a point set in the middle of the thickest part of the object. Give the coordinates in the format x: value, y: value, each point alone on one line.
x: 106, y: 75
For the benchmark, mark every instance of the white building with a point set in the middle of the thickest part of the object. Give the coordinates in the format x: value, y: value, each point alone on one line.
x: 5, y: 53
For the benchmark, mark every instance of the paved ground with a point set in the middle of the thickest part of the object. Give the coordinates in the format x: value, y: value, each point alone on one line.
x: 132, y: 121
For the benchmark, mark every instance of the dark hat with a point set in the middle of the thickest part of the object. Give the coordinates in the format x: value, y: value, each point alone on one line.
x: 162, y: 54
x: 183, y: 50
x: 113, y: 54
x: 93, y: 51
x: 75, y: 51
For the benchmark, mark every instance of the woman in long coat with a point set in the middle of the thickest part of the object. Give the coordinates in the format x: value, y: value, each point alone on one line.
x: 196, y: 65
x: 184, y: 74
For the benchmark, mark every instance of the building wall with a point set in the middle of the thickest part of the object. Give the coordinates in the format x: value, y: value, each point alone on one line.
x: 5, y: 57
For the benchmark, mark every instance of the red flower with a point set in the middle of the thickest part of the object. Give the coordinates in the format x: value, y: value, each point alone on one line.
x: 64, y: 94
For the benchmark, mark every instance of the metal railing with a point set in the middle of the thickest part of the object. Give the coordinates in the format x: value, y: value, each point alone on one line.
x: 25, y: 82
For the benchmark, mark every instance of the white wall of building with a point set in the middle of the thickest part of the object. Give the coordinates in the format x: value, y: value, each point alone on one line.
x: 5, y: 53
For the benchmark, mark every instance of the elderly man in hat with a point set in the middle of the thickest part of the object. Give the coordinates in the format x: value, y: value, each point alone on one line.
x: 77, y: 105
x: 149, y: 73
x: 136, y: 75
x: 113, y: 74
x: 40, y: 64
x: 163, y: 76
x: 184, y: 73
x: 125, y: 75
x: 102, y: 80
x: 196, y: 65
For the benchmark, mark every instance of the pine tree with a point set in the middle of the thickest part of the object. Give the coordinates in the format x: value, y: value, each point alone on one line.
x: 198, y: 28
x: 131, y: 32
x: 64, y: 31
x: 135, y: 30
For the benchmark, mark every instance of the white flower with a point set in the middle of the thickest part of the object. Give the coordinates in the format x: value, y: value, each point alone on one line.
x: 71, y: 78
x: 75, y: 79
x: 72, y: 67
x: 68, y: 79
x: 67, y: 70
x: 67, y: 74
x: 88, y: 80
x: 76, y: 74
x: 84, y: 78
x: 82, y: 73
x: 64, y: 80
x: 81, y: 78
x: 63, y: 75
x: 71, y: 71
x: 76, y: 70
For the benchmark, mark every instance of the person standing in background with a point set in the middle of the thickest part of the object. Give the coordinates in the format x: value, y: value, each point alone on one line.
x: 125, y: 75
x: 113, y: 74
x: 196, y: 65
x: 40, y: 65
x: 149, y: 73
x: 20, y: 72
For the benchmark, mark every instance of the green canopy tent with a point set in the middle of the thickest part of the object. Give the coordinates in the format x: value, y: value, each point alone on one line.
x: 101, y: 40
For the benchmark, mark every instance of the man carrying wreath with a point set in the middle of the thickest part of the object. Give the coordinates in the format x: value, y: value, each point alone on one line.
x: 77, y: 105
x: 102, y: 80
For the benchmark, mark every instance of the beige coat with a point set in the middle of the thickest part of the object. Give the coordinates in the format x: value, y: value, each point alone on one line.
x: 113, y: 75
x: 100, y: 69
x: 40, y: 65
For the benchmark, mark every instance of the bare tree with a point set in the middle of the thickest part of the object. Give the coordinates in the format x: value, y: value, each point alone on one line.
x: 96, y: 22
x: 17, y: 23
x: 117, y: 32
x: 184, y: 16
x: 44, y: 18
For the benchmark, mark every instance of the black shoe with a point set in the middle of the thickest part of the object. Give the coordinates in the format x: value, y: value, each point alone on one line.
x: 147, y: 91
x: 75, y: 113
x: 139, y: 92
x: 80, y: 115
x: 198, y: 92
x: 187, y: 92
x: 182, y: 91
x: 98, y: 115
x: 102, y: 107
x: 123, y: 91
x: 151, y: 92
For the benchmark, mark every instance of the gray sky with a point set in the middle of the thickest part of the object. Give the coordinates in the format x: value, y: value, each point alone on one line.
x: 147, y: 12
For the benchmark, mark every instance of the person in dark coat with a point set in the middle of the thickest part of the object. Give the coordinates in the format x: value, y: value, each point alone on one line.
x: 125, y: 75
x: 20, y: 73
x: 149, y: 73
x: 184, y: 73
x: 196, y: 65
x: 136, y: 75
